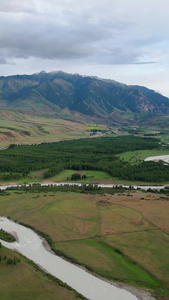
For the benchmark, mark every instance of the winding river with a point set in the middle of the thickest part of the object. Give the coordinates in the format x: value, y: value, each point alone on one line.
x: 31, y: 245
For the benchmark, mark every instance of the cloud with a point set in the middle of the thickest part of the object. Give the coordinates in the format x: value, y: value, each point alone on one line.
x: 113, y: 32
x: 3, y: 61
x: 43, y: 38
x: 17, y: 6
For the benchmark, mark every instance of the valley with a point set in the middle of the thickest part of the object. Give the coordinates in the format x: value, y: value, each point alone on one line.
x: 20, y: 128
x: 85, y: 132
x: 127, y: 229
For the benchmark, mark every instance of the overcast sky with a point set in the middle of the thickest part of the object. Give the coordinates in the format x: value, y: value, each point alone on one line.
x: 125, y: 40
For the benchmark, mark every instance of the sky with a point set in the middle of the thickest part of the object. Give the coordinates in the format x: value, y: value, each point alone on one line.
x: 127, y: 41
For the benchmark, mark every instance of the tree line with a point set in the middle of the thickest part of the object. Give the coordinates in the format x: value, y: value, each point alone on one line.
x: 83, y: 154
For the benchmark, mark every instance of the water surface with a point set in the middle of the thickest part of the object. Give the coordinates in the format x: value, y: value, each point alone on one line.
x: 164, y: 158
x: 142, y: 187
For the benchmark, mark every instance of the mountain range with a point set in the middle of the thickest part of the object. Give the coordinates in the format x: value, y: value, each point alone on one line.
x: 60, y: 93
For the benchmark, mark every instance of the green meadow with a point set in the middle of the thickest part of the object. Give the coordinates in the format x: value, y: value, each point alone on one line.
x: 96, y: 127
x: 116, y: 266
x: 90, y: 176
x: 38, y: 176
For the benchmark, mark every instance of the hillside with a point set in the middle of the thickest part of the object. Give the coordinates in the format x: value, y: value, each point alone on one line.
x: 63, y: 94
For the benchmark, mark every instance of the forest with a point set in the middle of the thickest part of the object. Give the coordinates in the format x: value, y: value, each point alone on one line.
x: 83, y: 154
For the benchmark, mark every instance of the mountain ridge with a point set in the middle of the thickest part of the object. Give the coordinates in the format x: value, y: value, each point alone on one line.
x: 94, y: 97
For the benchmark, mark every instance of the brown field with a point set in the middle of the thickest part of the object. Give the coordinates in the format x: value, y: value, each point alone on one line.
x: 17, y: 128
x: 89, y: 227
x: 153, y: 207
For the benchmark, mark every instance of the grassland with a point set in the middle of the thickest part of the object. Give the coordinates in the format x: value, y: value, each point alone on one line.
x: 91, y: 176
x: 96, y: 127
x: 121, y: 237
x: 31, y: 127
x: 20, y: 128
x: 38, y: 176
x: 25, y: 281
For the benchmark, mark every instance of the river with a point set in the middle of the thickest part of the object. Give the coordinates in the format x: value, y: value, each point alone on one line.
x: 31, y: 245
x: 142, y: 187
x: 164, y: 158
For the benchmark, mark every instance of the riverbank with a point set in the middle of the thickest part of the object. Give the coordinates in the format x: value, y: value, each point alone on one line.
x: 139, y: 293
x: 55, y: 212
x: 30, y: 245
x: 60, y: 183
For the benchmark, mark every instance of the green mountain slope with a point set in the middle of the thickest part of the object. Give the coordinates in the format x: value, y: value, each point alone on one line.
x: 106, y: 100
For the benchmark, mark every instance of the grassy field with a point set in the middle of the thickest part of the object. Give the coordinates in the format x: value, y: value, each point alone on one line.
x: 25, y: 281
x: 29, y: 128
x: 116, y: 266
x: 38, y: 176
x: 92, y: 176
x: 121, y: 237
x: 95, y: 127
